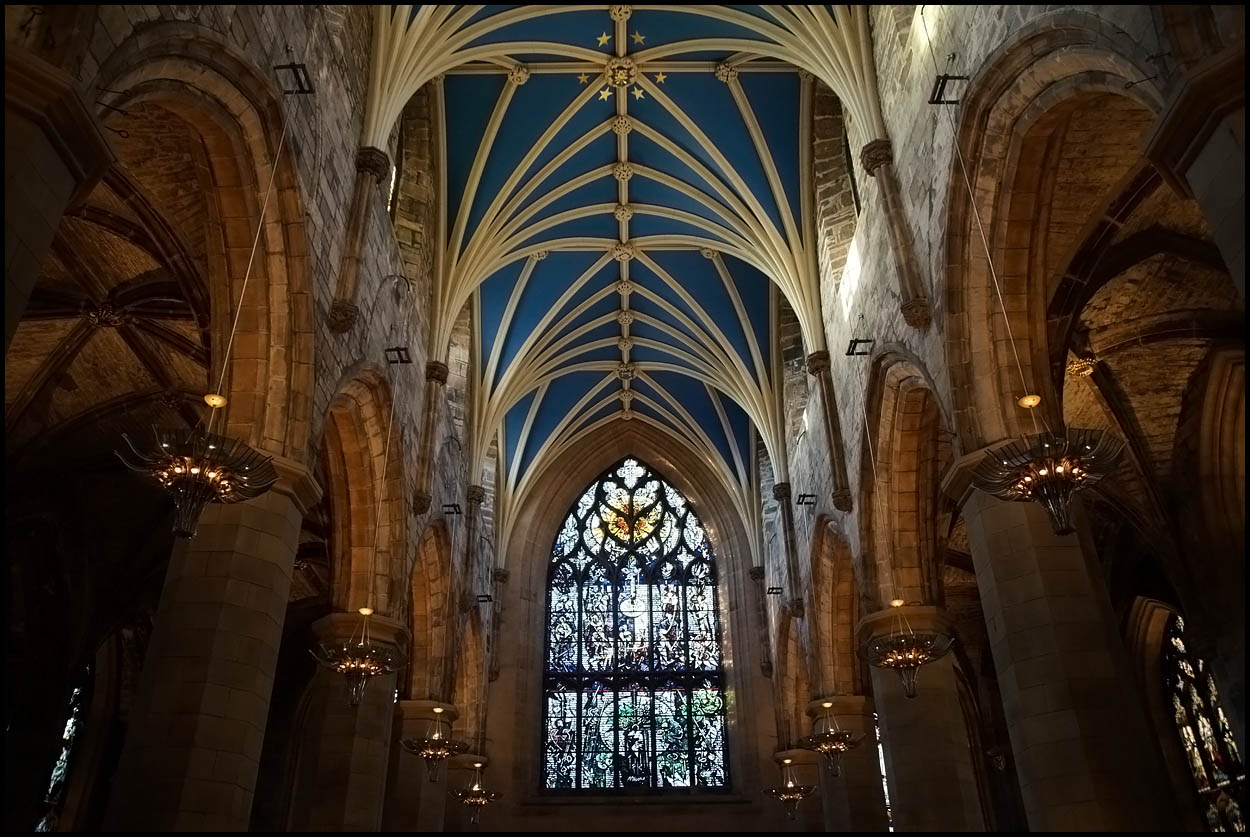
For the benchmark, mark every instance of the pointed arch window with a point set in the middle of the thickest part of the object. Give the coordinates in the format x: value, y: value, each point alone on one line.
x: 634, y: 688
x: 1216, y: 766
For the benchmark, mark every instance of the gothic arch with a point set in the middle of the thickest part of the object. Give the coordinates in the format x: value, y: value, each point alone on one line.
x: 469, y: 693
x: 837, y: 669
x: 239, y: 117
x: 793, y: 682
x: 431, y: 576
x: 356, y: 442
x: 904, y: 453
x: 1014, y: 105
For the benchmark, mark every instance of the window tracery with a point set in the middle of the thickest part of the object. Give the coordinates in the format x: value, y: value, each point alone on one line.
x: 634, y: 686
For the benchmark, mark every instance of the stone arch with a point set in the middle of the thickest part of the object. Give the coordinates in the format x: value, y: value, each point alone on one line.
x: 793, y: 683
x: 904, y: 455
x: 356, y: 431
x: 1013, y: 108
x: 469, y: 692
x: 431, y: 577
x: 239, y: 117
x: 837, y: 669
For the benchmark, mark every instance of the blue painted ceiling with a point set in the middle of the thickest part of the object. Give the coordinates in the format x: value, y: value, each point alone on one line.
x: 552, y: 321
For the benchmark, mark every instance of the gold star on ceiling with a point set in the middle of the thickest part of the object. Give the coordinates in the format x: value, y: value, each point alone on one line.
x: 659, y: 78
x: 638, y: 38
x: 604, y: 94
x: 637, y: 92
x: 583, y: 78
x: 603, y: 39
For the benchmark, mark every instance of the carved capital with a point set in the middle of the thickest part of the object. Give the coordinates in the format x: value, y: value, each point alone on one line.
x: 766, y: 668
x: 623, y: 251
x: 436, y: 371
x: 625, y: 318
x: 107, y: 315
x: 623, y: 212
x: 726, y: 72
x: 622, y: 125
x: 842, y: 499
x: 374, y: 161
x: 818, y: 362
x: 475, y: 494
x: 622, y: 171
x: 916, y: 312
x: 876, y: 154
x: 343, y: 315
x: 421, y: 502
x: 625, y: 344
x: 781, y: 491
x: 796, y: 608
x: 500, y: 576
x: 756, y: 573
x: 620, y: 12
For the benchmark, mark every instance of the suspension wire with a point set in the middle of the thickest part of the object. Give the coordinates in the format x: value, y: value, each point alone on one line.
x: 260, y: 226
x: 985, y: 243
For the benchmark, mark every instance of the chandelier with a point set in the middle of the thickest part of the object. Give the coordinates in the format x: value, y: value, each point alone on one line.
x: 1048, y: 468
x: 198, y: 468
x: 790, y: 793
x: 905, y: 650
x: 357, y: 657
x: 475, y: 797
x: 831, y: 741
x: 435, y: 747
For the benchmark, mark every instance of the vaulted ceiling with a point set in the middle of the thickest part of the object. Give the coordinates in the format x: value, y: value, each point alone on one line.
x: 626, y: 203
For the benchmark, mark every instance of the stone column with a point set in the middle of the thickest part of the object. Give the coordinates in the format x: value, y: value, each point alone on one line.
x: 435, y: 380
x: 461, y: 594
x: 1079, y: 735
x: 853, y: 800
x: 927, y: 748
x: 818, y: 365
x: 194, y: 743
x: 54, y: 154
x: 414, y: 803
x: 1199, y: 145
x: 877, y: 158
x: 345, y: 749
x: 373, y: 167
x: 460, y: 772
x: 781, y: 493
x: 500, y: 577
x: 766, y: 654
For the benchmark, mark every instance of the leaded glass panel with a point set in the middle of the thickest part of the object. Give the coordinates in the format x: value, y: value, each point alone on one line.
x: 635, y: 693
x: 1219, y: 776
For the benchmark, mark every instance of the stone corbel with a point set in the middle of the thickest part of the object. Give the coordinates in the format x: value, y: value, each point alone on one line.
x: 373, y: 167
x: 818, y: 366
x: 877, y: 158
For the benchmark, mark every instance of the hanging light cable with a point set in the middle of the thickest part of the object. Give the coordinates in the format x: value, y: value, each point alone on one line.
x: 198, y: 466
x: 475, y: 797
x: 830, y: 740
x: 902, y: 649
x: 1046, y: 467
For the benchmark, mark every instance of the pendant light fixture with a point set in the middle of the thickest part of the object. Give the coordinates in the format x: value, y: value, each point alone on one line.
x: 1047, y: 466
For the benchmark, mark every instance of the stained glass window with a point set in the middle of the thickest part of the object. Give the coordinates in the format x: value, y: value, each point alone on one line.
x: 1207, y: 739
x: 69, y: 737
x: 634, y: 688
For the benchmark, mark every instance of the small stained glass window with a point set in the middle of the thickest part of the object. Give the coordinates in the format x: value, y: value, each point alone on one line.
x: 1214, y: 762
x: 57, y: 782
x: 634, y: 686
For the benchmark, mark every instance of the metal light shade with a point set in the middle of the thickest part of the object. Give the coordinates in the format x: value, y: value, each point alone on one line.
x: 906, y: 651
x: 790, y: 796
x: 199, y: 468
x: 1048, y: 469
x: 358, y: 659
x: 435, y: 749
x: 831, y: 744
